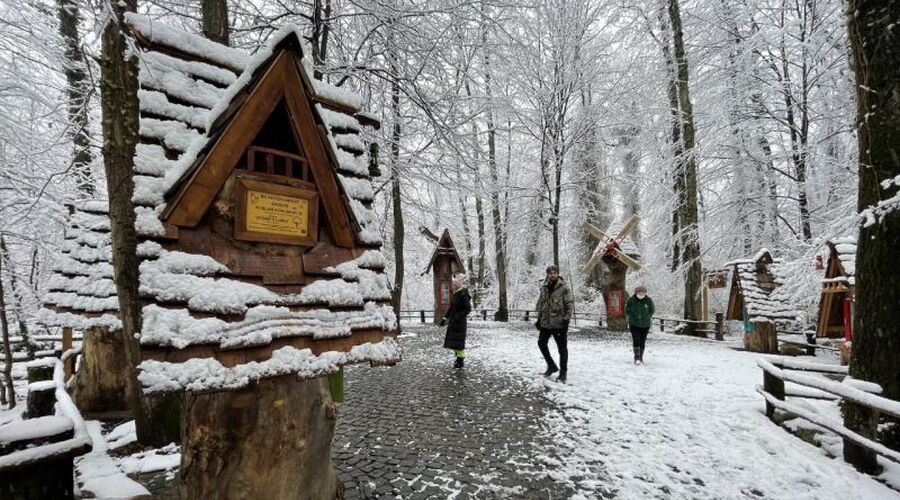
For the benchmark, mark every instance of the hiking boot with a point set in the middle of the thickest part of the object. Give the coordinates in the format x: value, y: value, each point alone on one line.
x: 459, y: 363
x: 561, y: 378
x: 551, y: 371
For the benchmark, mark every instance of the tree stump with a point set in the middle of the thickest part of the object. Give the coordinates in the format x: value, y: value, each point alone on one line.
x: 41, y: 399
x: 101, y: 384
x: 269, y: 440
x: 762, y: 339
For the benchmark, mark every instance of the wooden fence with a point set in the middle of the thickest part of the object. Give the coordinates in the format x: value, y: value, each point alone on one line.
x: 716, y: 327
x: 856, y: 394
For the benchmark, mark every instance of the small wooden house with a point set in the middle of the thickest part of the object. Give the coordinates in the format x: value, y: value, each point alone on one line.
x: 444, y: 263
x: 260, y: 256
x: 81, y: 296
x: 754, y: 300
x: 838, y: 290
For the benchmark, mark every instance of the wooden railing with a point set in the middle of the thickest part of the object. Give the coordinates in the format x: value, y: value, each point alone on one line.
x: 853, y: 395
x: 715, y: 327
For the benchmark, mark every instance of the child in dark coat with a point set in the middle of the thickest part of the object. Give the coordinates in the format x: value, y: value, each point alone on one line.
x: 455, y: 319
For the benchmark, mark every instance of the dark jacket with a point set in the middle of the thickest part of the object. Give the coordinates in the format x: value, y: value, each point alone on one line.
x: 555, y: 306
x: 639, y: 311
x: 460, y: 306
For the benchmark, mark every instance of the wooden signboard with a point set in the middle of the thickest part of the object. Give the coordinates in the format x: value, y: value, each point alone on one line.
x: 275, y: 213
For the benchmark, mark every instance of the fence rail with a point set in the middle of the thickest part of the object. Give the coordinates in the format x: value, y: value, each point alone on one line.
x: 860, y: 446
x: 715, y: 326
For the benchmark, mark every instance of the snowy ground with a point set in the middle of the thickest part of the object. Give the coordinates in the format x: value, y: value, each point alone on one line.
x: 687, y: 424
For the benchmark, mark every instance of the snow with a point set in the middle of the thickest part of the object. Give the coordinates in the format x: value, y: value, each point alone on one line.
x: 157, y: 103
x: 204, y: 374
x: 166, y: 458
x: 98, y: 474
x: 198, y: 69
x: 339, y: 95
x: 177, y: 84
x: 192, y: 44
x: 261, y: 324
x: 360, y: 189
x: 34, y: 428
x: 687, y: 424
x: 334, y: 119
x: 351, y: 163
x: 150, y: 159
x: 122, y: 434
x: 174, y: 134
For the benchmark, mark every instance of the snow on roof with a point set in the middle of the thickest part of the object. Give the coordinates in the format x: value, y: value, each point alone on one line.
x: 760, y: 284
x: 187, y: 87
x: 845, y: 251
x: 204, y: 374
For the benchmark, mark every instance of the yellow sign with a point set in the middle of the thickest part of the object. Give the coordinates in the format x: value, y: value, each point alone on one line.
x: 277, y: 214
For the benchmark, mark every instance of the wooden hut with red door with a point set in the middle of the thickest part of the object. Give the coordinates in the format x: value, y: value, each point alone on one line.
x: 755, y: 300
x: 838, y: 289
x: 444, y: 263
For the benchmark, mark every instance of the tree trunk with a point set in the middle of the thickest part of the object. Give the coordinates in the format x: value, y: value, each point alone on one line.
x: 690, y: 254
x: 320, y: 32
x: 799, y: 140
x: 18, y: 300
x: 102, y: 384
x: 677, y: 150
x: 269, y: 440
x: 502, y: 313
x: 119, y: 104
x: 215, y: 20
x: 4, y: 329
x: 78, y: 89
x: 397, y: 292
x: 876, y: 342
x: 480, y: 261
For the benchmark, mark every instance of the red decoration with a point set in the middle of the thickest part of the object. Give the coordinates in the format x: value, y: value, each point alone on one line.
x: 848, y: 318
x: 615, y: 306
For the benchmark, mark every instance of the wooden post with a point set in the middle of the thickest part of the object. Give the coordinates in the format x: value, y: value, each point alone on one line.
x: 422, y: 315
x: 774, y: 386
x: 863, y: 421
x: 704, y: 302
x: 527, y: 315
x: 41, y: 399
x: 720, y: 326
x: 69, y: 364
x: 810, y: 339
x: 484, y: 314
x: 662, y: 325
x: 271, y: 439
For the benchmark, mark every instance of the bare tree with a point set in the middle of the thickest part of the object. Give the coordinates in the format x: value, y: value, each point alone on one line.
x: 79, y: 89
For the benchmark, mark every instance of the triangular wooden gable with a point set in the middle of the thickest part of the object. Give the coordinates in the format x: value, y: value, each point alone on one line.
x: 834, y: 268
x: 735, y: 309
x: 281, y: 81
x: 445, y: 242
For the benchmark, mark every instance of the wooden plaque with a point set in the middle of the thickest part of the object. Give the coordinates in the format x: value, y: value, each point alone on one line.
x: 275, y: 213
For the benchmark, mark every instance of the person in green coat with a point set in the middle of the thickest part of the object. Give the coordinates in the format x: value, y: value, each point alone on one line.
x: 639, y: 309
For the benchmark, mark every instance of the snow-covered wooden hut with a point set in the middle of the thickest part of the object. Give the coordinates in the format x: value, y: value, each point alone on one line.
x: 444, y: 263
x: 81, y: 297
x: 262, y: 265
x: 255, y: 206
x: 838, y: 290
x: 754, y: 300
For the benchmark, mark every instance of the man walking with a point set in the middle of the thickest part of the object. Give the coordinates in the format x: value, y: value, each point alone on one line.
x: 554, y: 309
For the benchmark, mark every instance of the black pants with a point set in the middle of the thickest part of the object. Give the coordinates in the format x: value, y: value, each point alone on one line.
x: 559, y: 335
x: 639, y: 336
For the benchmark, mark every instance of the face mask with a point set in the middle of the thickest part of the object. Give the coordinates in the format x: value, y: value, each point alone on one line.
x: 641, y: 295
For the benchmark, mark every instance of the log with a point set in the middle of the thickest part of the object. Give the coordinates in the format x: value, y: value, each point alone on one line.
x: 39, y: 372
x: 41, y: 399
x: 271, y: 439
x: 102, y: 382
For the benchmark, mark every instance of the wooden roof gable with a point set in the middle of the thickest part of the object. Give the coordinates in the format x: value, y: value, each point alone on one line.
x: 279, y: 80
x: 445, y: 246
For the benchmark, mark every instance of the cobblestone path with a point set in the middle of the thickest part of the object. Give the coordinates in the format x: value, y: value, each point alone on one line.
x: 424, y: 430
